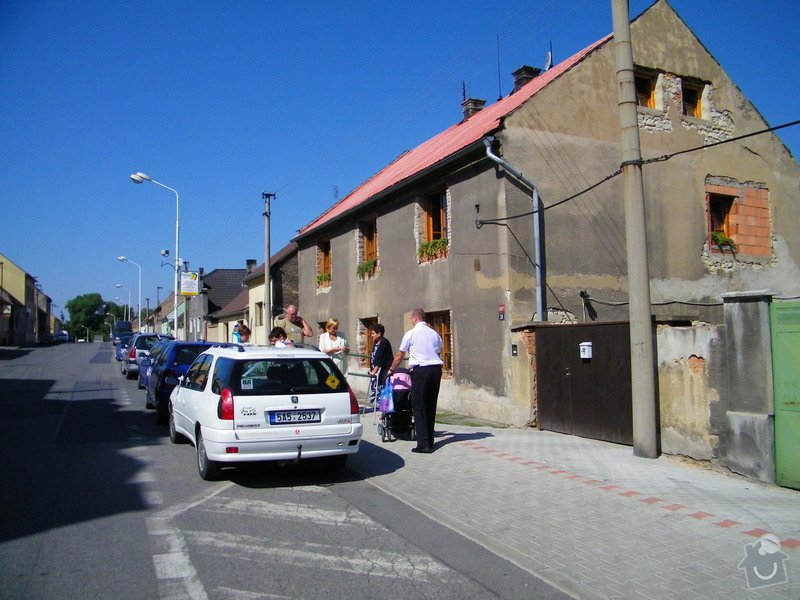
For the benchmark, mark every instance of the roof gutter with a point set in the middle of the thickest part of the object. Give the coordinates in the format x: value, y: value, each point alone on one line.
x: 392, y: 189
x: 538, y: 214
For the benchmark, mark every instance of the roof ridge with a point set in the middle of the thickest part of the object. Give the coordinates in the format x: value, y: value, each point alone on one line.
x: 448, y: 142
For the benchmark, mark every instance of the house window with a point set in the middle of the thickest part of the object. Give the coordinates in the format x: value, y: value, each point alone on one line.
x: 324, y: 264
x: 435, y: 207
x: 645, y: 90
x: 367, y: 249
x: 719, y: 214
x: 433, y: 235
x: 369, y: 236
x: 440, y: 322
x: 691, y: 106
x: 365, y: 341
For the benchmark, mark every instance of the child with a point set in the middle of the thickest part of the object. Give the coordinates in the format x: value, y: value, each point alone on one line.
x: 277, y: 338
x: 379, y: 360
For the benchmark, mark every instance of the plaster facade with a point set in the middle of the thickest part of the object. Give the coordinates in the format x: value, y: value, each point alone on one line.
x: 565, y: 137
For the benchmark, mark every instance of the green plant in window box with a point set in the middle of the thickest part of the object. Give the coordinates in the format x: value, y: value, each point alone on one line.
x: 366, y: 268
x: 432, y: 249
x: 721, y: 240
x: 323, y: 278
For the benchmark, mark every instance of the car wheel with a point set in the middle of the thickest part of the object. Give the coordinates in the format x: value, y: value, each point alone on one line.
x: 141, y: 387
x: 208, y: 469
x: 129, y: 375
x: 174, y: 436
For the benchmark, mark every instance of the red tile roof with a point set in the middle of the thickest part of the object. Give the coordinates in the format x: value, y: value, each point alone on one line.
x: 448, y: 142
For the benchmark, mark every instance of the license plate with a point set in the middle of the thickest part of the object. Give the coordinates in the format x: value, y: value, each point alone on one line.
x: 281, y: 417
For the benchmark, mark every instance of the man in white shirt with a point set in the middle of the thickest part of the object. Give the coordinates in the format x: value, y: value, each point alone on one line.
x: 423, y: 346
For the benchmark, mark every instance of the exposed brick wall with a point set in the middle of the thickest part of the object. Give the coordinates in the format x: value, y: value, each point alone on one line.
x: 750, y: 225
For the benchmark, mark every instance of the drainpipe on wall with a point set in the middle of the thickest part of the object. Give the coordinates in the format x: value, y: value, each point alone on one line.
x: 537, y: 240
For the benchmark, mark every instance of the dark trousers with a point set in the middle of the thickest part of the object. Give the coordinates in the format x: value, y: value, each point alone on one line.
x: 425, y: 383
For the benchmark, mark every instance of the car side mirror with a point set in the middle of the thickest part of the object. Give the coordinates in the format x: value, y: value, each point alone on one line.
x: 147, y: 361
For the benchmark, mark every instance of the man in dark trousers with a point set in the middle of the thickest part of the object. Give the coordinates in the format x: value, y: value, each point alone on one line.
x: 423, y: 346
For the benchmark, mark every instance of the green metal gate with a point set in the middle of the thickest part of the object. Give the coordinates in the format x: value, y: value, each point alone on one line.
x: 785, y: 326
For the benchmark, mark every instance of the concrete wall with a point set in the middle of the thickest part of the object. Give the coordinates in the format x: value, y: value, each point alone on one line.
x: 750, y: 440
x: 691, y: 389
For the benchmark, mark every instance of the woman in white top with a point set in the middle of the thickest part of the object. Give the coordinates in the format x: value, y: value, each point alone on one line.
x: 334, y: 345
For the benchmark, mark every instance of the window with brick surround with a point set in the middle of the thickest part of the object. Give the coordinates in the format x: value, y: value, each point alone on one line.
x: 367, y: 249
x: 433, y: 232
x: 364, y: 339
x: 440, y: 322
x: 691, y: 100
x: 645, y: 89
x: 324, y: 264
x: 740, y: 212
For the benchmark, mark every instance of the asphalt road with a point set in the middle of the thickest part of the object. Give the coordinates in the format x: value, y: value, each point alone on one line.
x: 97, y: 503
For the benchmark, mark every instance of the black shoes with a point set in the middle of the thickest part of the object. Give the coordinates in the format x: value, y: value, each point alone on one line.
x: 422, y: 450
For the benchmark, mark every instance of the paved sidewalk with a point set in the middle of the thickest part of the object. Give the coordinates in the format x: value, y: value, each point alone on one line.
x: 591, y: 518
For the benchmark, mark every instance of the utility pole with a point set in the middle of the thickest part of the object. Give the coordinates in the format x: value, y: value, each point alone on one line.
x: 267, y: 197
x: 641, y: 328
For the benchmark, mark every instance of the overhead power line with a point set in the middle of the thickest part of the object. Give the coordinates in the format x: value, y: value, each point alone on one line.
x: 664, y: 157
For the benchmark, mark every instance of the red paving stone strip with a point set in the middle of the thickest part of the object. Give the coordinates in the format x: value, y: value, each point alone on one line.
x: 788, y: 543
x: 726, y: 523
x: 651, y: 500
x: 700, y: 515
x: 756, y: 532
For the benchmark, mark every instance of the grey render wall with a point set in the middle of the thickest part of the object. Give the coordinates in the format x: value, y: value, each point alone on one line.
x: 567, y: 137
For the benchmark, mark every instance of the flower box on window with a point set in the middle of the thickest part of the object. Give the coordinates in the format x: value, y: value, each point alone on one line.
x: 323, y: 279
x: 433, y: 249
x: 366, y: 268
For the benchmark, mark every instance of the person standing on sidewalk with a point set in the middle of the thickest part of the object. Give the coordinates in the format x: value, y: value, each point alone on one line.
x: 423, y: 346
x: 295, y: 326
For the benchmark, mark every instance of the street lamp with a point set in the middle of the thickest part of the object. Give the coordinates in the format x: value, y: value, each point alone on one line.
x: 140, y: 177
x: 139, y: 304
x: 122, y: 287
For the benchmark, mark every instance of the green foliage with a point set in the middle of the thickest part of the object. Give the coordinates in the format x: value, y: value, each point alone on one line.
x: 366, y: 268
x: 720, y: 239
x: 90, y: 310
x: 432, y: 249
x: 323, y: 278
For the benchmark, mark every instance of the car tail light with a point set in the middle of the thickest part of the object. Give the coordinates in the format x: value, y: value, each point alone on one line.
x: 354, y: 408
x: 225, y: 406
x: 132, y: 353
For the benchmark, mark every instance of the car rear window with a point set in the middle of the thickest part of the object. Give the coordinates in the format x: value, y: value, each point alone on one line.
x: 266, y: 377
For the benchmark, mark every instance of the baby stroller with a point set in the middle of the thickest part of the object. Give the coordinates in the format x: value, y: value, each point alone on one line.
x: 400, y: 421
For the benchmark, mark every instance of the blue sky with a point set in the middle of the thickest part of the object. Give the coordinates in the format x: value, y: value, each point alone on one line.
x: 224, y: 100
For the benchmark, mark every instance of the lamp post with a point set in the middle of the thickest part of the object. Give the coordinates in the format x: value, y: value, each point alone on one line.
x: 128, y: 314
x: 139, y: 303
x: 140, y: 177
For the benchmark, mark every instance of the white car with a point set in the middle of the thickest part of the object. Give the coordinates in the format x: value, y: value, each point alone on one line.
x: 248, y: 403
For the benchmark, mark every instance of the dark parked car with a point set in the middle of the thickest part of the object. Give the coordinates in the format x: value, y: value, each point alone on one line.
x: 121, y: 352
x: 145, y: 364
x: 172, y: 362
x: 121, y: 328
x: 138, y: 348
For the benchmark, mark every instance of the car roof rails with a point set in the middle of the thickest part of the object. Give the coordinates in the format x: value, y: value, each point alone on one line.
x: 229, y: 345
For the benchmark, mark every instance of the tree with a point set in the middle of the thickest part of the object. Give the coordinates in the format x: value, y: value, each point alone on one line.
x: 90, y: 310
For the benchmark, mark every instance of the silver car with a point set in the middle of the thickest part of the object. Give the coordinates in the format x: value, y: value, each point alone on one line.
x: 139, y: 347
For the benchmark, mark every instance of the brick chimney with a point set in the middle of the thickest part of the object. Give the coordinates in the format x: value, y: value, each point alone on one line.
x: 471, y: 106
x: 250, y: 264
x: 524, y: 74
